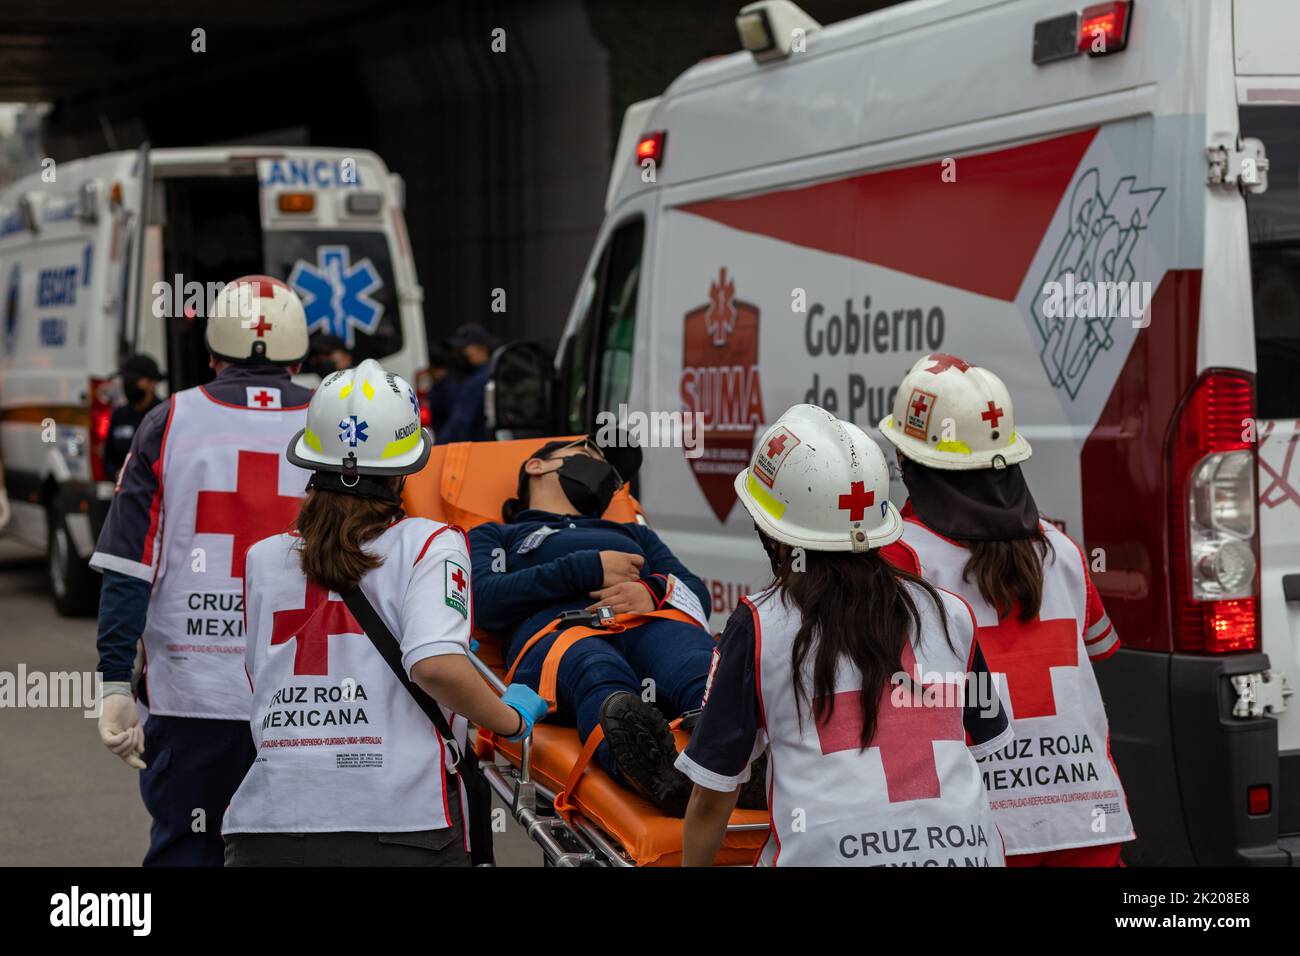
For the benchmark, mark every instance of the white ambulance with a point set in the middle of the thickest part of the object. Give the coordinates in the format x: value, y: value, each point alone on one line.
x: 950, y: 176
x: 121, y: 253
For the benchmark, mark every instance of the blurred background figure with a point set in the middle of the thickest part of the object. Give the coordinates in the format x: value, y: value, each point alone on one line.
x: 328, y: 354
x: 447, y: 369
x: 474, y: 343
x: 140, y: 377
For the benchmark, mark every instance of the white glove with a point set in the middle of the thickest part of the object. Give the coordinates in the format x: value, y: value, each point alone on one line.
x: 119, y: 727
x: 4, y: 507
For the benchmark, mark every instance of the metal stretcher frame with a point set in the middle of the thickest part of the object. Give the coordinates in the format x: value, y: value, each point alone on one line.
x: 590, y: 845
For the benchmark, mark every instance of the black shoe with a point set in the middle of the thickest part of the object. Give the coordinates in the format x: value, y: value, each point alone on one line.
x: 753, y: 793
x: 642, y: 745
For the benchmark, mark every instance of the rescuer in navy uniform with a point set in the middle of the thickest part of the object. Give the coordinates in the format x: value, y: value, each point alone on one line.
x: 140, y: 377
x: 204, y: 479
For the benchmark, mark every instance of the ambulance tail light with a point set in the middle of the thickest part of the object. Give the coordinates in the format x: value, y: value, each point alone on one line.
x: 651, y: 147
x: 1103, y: 27
x: 101, y: 414
x: 423, y: 385
x: 1213, y: 529
x: 296, y: 202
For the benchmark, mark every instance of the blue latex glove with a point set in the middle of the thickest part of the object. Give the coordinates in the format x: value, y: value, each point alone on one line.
x: 528, y: 704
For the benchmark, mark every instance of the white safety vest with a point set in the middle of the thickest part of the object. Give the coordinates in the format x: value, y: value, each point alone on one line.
x: 1055, y: 786
x: 225, y: 485
x: 341, y: 746
x: 914, y: 797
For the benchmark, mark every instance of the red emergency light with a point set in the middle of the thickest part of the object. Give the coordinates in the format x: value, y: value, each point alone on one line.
x: 1259, y: 800
x: 651, y: 147
x: 1107, y: 23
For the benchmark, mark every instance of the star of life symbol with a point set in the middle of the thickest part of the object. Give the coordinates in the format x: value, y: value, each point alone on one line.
x: 721, y: 318
x: 415, y: 402
x: 1098, y: 247
x: 352, y: 431
x: 336, y: 293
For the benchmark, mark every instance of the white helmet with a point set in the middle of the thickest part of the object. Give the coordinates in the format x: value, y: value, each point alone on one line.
x: 955, y: 416
x: 819, y: 483
x: 260, y: 319
x: 362, y: 421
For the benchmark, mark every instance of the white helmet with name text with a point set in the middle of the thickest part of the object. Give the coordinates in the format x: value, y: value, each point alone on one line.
x: 952, y: 415
x: 257, y: 319
x: 819, y: 483
x: 362, y: 421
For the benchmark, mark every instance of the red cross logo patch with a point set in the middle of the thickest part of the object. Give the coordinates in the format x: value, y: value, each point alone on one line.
x: 1026, y: 652
x: 254, y: 510
x: 905, y: 736
x: 917, y: 421
x: 457, y: 588
x: 772, y: 452
x: 310, y: 627
x: 261, y: 397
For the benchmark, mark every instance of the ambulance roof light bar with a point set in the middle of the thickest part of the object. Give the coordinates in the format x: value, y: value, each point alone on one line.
x: 769, y: 28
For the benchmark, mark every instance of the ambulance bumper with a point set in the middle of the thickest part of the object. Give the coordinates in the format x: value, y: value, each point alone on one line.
x: 1187, y: 763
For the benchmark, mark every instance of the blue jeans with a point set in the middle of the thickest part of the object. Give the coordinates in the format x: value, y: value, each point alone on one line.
x: 674, y: 655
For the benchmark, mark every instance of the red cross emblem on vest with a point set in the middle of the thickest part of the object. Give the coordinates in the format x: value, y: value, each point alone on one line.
x: 857, y: 501
x: 264, y: 398
x: 312, y: 626
x: 992, y: 415
x: 1026, y: 652
x: 905, y: 736
x: 253, y: 511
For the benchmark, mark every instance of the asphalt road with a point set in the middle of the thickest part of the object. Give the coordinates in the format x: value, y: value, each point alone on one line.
x: 64, y: 799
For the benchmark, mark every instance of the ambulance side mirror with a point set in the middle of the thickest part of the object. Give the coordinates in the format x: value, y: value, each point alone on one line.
x: 518, y: 399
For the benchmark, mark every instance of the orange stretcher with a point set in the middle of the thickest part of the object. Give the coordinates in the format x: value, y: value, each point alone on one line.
x: 570, y: 807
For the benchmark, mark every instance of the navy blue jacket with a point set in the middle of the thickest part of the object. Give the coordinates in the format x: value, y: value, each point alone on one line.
x: 552, y: 564
x: 465, y: 423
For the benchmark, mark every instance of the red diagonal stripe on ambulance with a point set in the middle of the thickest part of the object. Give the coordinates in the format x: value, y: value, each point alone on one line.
x: 979, y: 232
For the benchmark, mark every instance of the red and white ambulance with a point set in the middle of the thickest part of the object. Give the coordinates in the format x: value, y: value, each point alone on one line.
x: 121, y: 253
x: 1102, y: 204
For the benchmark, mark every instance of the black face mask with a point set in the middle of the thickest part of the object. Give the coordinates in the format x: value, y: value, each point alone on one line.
x: 588, y: 483
x: 134, y: 393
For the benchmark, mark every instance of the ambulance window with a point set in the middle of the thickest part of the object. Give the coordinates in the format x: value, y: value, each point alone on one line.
x: 618, y: 318
x: 345, y: 280
x: 1274, y: 221
x: 600, y: 361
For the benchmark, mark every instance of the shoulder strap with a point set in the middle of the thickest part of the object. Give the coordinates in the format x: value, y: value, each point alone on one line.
x: 386, y: 644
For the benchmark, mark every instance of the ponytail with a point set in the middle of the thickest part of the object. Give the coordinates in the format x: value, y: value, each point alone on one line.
x: 853, y: 606
x: 1009, y: 574
x: 332, y: 528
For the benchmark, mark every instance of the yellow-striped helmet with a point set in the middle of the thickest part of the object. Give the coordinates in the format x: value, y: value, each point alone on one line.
x: 362, y: 421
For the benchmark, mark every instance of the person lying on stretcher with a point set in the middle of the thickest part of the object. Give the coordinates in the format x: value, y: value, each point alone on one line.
x: 554, y: 553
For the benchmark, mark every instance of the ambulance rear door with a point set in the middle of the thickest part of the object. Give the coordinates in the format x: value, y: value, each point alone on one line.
x: 333, y: 228
x: 1268, y: 88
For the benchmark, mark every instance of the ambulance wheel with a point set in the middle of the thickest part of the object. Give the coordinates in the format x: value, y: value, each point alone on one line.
x: 73, y: 584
